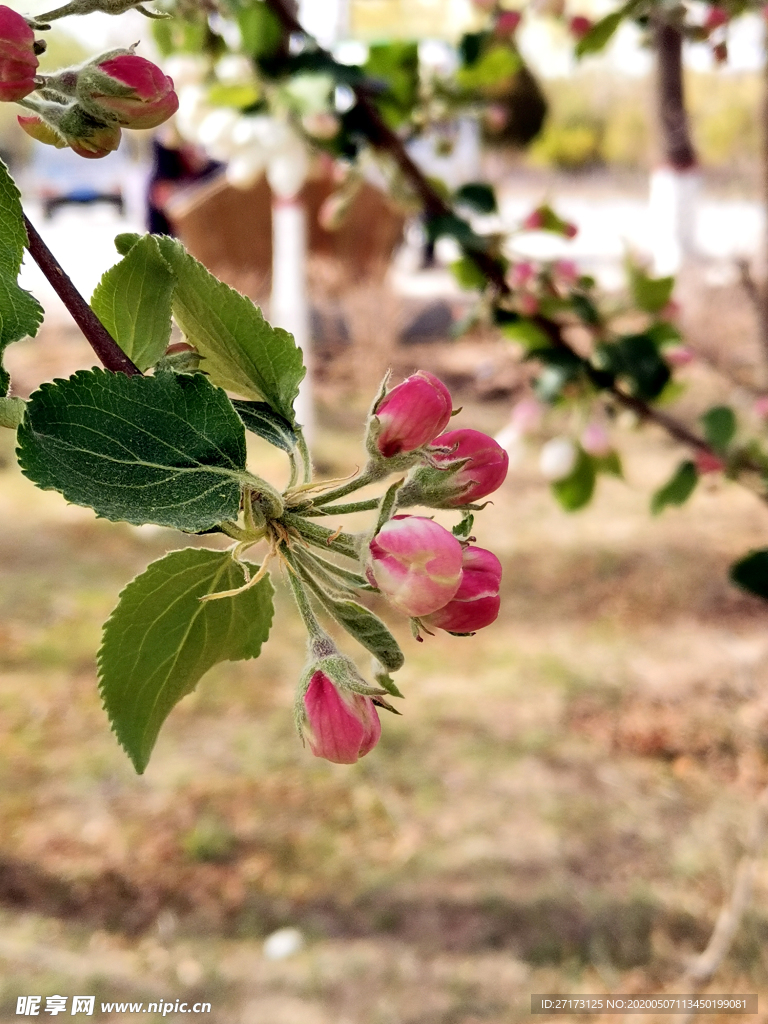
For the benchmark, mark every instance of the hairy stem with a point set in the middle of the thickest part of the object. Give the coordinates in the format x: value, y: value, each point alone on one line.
x: 96, y: 334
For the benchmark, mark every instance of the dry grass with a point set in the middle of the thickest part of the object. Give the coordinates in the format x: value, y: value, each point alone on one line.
x: 559, y: 808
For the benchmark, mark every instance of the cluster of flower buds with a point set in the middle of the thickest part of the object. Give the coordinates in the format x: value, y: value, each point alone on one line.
x: 82, y: 107
x: 435, y: 576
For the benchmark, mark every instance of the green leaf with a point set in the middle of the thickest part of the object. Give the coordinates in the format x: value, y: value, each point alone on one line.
x: 260, y: 30
x: 637, y: 359
x: 678, y: 489
x: 719, y: 424
x: 478, y: 196
x: 585, y: 309
x: 11, y: 412
x: 751, y: 573
x: 491, y: 72
x: 168, y: 449
x: 240, y: 351
x: 650, y: 293
x: 133, y: 301
x: 527, y: 333
x: 561, y: 366
x: 600, y: 33
x: 259, y: 419
x: 455, y: 227
x: 360, y: 623
x: 468, y: 274
x: 577, y: 489
x: 161, y: 639
x: 20, y: 313
x: 397, y: 65
x: 610, y: 464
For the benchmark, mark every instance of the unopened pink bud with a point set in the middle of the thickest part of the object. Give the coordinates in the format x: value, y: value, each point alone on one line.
x: 570, y: 230
x: 528, y: 304
x: 716, y: 17
x: 412, y: 414
x: 720, y: 53
x: 18, y: 60
x: 595, y: 440
x: 520, y: 274
x: 706, y: 462
x: 527, y: 415
x: 679, y: 355
x: 507, y: 22
x: 485, y: 471
x: 534, y: 221
x: 476, y: 602
x: 152, y: 100
x: 339, y: 726
x: 579, y: 26
x: 566, y: 271
x: 761, y: 406
x: 416, y: 564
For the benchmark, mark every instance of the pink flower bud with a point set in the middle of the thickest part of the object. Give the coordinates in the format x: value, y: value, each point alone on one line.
x: 761, y: 407
x: 339, y: 726
x: 507, y: 22
x: 520, y: 274
x: 18, y: 60
x: 92, y: 142
x: 706, y: 462
x: 679, y: 355
x: 566, y: 271
x: 528, y: 304
x: 412, y: 414
x: 579, y: 26
x: 416, y: 564
x: 570, y: 230
x: 476, y: 602
x: 527, y: 415
x: 716, y: 17
x: 152, y: 99
x: 720, y: 53
x: 482, y: 475
x: 534, y: 221
x: 595, y: 440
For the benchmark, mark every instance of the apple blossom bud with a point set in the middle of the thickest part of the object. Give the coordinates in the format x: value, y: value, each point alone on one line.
x: 18, y: 60
x: 321, y: 125
x: 416, y: 564
x: 412, y: 414
x: 679, y: 355
x: 595, y: 440
x: 520, y: 274
x: 507, y: 22
x: 527, y: 415
x: 339, y: 725
x: 566, y: 271
x: 534, y: 221
x: 716, y: 17
x: 720, y: 53
x: 706, y: 462
x: 570, y: 230
x: 558, y: 458
x: 578, y: 26
x: 129, y: 89
x: 476, y: 602
x: 528, y: 304
x: 483, y: 473
x: 71, y: 126
x: 761, y: 407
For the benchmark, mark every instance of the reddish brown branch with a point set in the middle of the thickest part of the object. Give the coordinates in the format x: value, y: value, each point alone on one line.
x: 98, y: 337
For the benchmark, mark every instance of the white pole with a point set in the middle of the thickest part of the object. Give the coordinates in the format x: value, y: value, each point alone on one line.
x: 290, y: 306
x: 672, y: 206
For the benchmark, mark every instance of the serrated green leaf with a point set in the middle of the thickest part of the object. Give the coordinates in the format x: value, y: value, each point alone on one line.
x: 240, y: 350
x: 161, y: 639
x: 11, y: 412
x: 20, y: 312
x: 133, y: 301
x: 678, y: 489
x: 600, y: 34
x: 577, y: 489
x: 751, y: 573
x: 259, y: 419
x: 478, y: 196
x: 168, y: 449
x: 719, y: 424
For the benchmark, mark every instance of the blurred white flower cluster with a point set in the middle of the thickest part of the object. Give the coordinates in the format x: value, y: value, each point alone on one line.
x: 251, y: 144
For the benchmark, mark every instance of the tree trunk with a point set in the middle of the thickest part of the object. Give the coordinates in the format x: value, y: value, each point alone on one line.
x: 674, y: 183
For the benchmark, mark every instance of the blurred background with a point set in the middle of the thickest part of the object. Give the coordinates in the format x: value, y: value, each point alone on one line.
x: 563, y: 803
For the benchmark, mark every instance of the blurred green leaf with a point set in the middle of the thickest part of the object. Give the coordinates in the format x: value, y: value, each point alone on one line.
x: 600, y: 34
x: 478, y: 196
x: 468, y: 274
x: 677, y: 490
x: 260, y: 30
x: 576, y: 490
x: 650, y: 293
x: 396, y: 64
x: 751, y: 573
x: 719, y: 424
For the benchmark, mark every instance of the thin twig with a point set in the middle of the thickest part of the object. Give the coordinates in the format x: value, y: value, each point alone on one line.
x: 98, y: 337
x: 704, y: 967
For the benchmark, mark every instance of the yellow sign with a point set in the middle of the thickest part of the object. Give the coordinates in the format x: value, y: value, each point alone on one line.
x: 411, y: 19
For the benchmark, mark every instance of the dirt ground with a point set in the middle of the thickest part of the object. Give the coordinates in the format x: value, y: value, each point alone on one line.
x: 560, y: 808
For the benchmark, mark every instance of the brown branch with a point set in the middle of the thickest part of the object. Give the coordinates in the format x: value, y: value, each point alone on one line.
x: 96, y: 334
